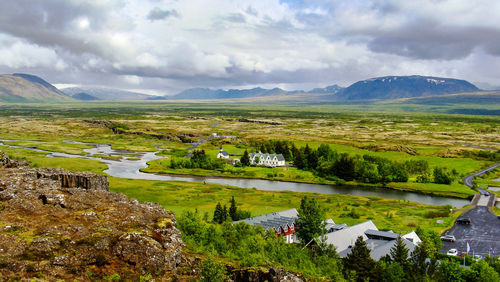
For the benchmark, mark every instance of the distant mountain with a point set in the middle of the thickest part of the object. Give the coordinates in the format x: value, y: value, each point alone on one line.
x: 332, y: 89
x: 106, y: 93
x: 396, y: 87
x: 84, y: 97
x: 28, y: 88
x: 205, y: 93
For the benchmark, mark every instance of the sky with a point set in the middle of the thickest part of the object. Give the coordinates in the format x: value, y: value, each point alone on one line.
x: 165, y: 46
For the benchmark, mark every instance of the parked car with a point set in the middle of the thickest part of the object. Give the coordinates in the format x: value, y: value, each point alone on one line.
x: 477, y: 257
x: 448, y: 238
x: 485, y: 193
x: 452, y: 252
x: 464, y: 220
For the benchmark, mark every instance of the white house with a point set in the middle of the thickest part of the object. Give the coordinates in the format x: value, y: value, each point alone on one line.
x: 223, y: 155
x: 267, y: 159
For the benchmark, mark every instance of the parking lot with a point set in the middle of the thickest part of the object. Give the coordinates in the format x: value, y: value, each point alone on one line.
x: 483, y: 234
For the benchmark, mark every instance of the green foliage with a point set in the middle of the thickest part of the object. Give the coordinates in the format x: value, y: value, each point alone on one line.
x: 213, y: 270
x: 253, y: 246
x: 245, y: 160
x: 198, y: 160
x: 114, y: 277
x: 359, y: 260
x: 399, y: 253
x: 441, y: 176
x: 233, y: 210
x: 220, y: 214
x: 310, y: 223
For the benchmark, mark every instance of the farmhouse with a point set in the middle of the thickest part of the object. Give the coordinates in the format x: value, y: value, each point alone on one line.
x: 267, y: 159
x: 223, y: 155
x: 282, y: 222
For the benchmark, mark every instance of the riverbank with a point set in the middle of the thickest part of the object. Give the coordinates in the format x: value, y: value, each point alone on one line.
x: 294, y: 175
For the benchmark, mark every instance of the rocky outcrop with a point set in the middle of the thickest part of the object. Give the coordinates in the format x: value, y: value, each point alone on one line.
x: 52, y: 230
x: 69, y: 179
x: 5, y: 161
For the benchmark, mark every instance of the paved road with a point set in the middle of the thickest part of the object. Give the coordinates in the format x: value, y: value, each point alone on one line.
x: 468, y: 179
x: 483, y: 234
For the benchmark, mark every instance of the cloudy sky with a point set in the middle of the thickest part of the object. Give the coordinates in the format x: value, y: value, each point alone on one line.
x: 164, y: 46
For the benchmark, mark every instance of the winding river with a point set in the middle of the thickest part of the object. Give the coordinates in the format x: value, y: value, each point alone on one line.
x: 128, y: 165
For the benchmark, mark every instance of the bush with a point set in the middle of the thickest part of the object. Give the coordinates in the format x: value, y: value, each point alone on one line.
x: 213, y: 270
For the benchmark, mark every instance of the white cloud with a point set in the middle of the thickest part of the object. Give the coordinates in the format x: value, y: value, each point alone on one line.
x: 177, y: 44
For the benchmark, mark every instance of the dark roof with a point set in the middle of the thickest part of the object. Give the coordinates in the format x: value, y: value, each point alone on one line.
x: 376, y: 234
x: 275, y: 220
x: 224, y: 153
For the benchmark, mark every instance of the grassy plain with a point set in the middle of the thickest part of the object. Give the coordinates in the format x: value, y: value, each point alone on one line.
x: 381, y: 130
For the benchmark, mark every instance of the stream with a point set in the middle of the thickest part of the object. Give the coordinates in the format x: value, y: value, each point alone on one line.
x: 128, y: 164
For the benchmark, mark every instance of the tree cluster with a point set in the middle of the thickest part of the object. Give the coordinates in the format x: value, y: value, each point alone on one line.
x: 198, y: 160
x: 222, y: 214
x: 367, y: 168
x: 275, y: 147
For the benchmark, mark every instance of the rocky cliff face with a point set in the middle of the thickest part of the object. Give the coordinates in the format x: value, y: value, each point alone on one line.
x: 51, y: 229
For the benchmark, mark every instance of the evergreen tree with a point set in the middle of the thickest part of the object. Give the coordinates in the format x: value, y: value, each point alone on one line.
x: 245, y: 160
x: 224, y: 214
x: 312, y: 160
x: 233, y: 210
x: 360, y: 261
x: 306, y: 154
x: 218, y: 217
x: 299, y: 161
x: 310, y: 223
x: 344, y: 167
x: 399, y: 253
x: 263, y: 149
x: 286, y: 152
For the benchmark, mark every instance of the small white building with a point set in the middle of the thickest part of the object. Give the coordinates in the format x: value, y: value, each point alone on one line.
x: 223, y: 155
x: 271, y: 160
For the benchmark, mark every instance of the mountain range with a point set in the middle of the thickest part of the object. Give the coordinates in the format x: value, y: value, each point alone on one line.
x: 30, y: 88
x: 20, y: 87
x: 101, y: 93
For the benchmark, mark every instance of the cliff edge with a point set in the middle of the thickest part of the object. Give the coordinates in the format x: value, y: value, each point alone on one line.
x: 57, y: 224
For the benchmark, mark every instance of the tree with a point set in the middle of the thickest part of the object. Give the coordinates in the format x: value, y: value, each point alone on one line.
x: 218, y: 213
x: 310, y: 223
x: 344, y: 167
x: 299, y: 161
x: 307, y: 153
x: 233, y: 210
x: 360, y: 261
x: 224, y: 214
x: 245, y: 160
x: 441, y: 176
x: 392, y: 272
x: 312, y: 160
x: 399, y: 253
x: 263, y: 149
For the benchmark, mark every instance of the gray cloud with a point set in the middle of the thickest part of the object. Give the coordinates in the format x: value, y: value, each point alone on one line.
x: 157, y: 14
x: 226, y: 43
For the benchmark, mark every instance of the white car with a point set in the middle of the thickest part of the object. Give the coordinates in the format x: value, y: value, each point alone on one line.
x: 452, y: 252
x: 449, y: 238
x: 477, y: 257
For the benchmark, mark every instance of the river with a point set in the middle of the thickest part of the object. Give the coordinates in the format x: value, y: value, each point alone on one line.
x: 129, y: 164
